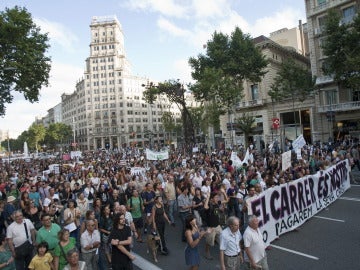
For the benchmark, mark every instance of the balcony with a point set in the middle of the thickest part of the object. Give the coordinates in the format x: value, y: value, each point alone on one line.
x: 340, y: 107
x: 323, y: 7
x: 250, y: 103
x: 324, y: 80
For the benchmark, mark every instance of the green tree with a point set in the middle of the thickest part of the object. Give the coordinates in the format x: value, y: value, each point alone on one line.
x: 175, y: 93
x: 293, y: 81
x: 24, y: 67
x: 229, y: 60
x: 246, y: 123
x: 219, y: 75
x: 36, y: 135
x: 57, y: 133
x: 341, y: 46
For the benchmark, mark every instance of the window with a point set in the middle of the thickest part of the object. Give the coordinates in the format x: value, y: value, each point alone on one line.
x: 254, y: 92
x: 322, y: 21
x: 330, y: 97
x: 321, y: 2
x: 356, y: 95
x: 348, y: 14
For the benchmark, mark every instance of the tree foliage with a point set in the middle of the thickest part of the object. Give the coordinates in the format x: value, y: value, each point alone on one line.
x: 219, y: 74
x: 175, y: 93
x: 292, y: 81
x: 341, y: 46
x: 24, y: 67
x: 246, y: 123
x: 57, y: 133
x: 36, y: 135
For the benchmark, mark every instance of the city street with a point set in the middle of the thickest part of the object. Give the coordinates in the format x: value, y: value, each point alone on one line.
x: 330, y: 241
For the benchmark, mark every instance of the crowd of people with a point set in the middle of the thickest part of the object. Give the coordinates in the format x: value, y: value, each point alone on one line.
x: 103, y: 202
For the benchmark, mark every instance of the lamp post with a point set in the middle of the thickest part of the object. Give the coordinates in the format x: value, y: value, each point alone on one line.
x: 74, y: 140
x: 8, y: 145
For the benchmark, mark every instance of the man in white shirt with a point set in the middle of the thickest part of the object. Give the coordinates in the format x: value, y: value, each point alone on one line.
x: 227, y: 181
x: 90, y: 242
x: 255, y: 246
x: 230, y: 252
x: 17, y: 236
x: 197, y: 180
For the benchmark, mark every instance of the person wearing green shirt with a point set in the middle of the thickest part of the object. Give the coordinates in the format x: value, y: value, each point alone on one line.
x: 48, y: 232
x: 136, y: 208
x: 65, y: 244
x: 6, y: 258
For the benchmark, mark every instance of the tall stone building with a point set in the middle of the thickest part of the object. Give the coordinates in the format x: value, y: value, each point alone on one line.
x: 107, y: 109
x: 337, y: 108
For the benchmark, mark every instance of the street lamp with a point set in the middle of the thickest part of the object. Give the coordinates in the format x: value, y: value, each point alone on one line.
x: 8, y: 145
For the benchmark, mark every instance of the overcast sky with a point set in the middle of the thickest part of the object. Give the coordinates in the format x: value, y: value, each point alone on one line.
x: 160, y: 36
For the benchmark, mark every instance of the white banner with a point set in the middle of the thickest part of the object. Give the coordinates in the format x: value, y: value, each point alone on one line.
x: 286, y: 160
x: 138, y: 171
x: 299, y: 142
x: 75, y: 154
x: 152, y: 155
x: 54, y: 168
x: 283, y: 208
x: 237, y: 162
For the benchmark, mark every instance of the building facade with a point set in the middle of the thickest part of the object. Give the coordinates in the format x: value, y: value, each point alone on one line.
x: 294, y: 118
x: 107, y: 110
x: 337, y: 108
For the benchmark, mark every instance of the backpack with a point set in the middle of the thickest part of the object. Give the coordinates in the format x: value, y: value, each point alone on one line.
x: 90, y: 196
x: 132, y: 204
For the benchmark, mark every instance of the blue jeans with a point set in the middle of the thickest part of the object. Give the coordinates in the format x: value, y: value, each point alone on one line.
x: 172, y: 210
x: 183, y: 217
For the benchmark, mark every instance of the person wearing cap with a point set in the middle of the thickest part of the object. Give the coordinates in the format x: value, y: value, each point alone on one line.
x: 9, y: 209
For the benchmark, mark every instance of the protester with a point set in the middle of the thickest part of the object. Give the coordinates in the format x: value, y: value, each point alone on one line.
x: 159, y: 221
x: 72, y: 216
x: 90, y: 215
x: 136, y: 208
x: 6, y: 258
x: 120, y: 239
x: 185, y: 206
x: 74, y: 263
x: 33, y: 213
x: 230, y: 251
x: 212, y: 221
x: 105, y: 227
x: 48, y: 233
x: 148, y: 197
x: 21, y: 237
x: 255, y: 246
x: 9, y: 210
x: 90, y: 242
x: 43, y: 259
x: 65, y: 244
x: 193, y: 236
x: 198, y: 206
x: 170, y: 194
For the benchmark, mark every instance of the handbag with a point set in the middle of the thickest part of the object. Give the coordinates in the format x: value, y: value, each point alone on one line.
x: 26, y: 248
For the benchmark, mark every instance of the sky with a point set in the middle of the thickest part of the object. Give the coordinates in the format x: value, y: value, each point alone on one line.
x: 160, y: 36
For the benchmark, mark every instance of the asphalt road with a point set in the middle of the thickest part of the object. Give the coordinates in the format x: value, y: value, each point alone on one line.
x: 330, y: 240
